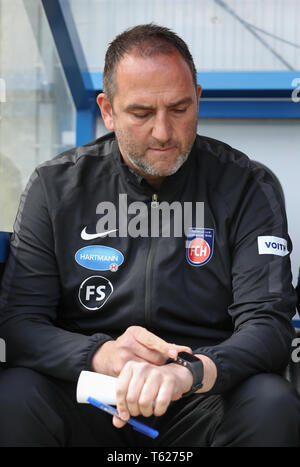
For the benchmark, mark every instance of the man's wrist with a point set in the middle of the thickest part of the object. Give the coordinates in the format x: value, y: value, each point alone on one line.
x: 184, y: 374
x: 209, y: 373
x: 195, y: 366
x: 99, y: 359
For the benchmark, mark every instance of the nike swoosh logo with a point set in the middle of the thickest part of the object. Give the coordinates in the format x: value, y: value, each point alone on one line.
x: 87, y: 236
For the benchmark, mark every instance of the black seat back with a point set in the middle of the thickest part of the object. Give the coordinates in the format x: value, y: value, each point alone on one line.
x: 4, y: 250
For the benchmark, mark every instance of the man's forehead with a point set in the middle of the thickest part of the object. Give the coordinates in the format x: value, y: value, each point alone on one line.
x: 133, y: 63
x: 154, y: 75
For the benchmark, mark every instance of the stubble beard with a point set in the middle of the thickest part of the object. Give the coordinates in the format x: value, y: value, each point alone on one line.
x: 138, y: 160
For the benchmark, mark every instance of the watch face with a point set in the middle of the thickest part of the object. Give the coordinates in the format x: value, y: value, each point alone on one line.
x: 187, y: 356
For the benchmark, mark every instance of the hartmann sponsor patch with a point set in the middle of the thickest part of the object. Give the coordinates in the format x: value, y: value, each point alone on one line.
x: 269, y: 245
x: 99, y: 258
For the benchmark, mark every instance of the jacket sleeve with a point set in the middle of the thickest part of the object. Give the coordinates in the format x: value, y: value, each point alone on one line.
x: 31, y: 293
x: 264, y: 300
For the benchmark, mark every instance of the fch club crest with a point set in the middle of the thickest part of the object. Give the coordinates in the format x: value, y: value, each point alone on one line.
x: 199, y: 246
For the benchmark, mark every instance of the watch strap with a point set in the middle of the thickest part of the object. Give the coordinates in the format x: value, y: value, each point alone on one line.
x: 195, y: 365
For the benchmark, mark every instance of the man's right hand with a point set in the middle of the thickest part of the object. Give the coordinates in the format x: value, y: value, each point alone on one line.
x: 135, y: 344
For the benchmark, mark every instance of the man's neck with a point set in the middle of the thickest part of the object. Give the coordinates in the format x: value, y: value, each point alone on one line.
x: 153, y: 180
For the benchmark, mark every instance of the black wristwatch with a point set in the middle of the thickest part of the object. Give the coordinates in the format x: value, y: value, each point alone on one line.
x: 195, y: 365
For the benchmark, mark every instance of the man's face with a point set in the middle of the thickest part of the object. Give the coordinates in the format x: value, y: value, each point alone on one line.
x: 154, y: 113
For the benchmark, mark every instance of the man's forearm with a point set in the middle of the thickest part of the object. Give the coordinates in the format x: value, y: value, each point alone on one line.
x: 258, y: 347
x: 35, y: 343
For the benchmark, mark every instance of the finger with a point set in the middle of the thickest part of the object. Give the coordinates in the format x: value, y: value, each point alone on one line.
x: 121, y: 391
x: 150, y: 340
x: 145, y: 354
x: 158, y: 358
x: 117, y: 422
x: 133, y: 394
x: 148, y: 396
x: 163, y: 398
x: 153, y: 342
x: 175, y: 349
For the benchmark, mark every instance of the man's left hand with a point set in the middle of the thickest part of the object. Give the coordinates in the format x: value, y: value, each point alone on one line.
x: 147, y: 389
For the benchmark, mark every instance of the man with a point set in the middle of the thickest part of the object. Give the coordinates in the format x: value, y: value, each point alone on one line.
x: 101, y: 278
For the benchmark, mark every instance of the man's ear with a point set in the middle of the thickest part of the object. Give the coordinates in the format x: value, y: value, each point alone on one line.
x: 106, y: 110
x: 199, y: 91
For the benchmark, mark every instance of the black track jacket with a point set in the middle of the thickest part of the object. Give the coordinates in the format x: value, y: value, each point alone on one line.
x: 222, y: 287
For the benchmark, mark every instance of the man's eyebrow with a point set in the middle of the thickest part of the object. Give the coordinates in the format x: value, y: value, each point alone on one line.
x: 185, y: 100
x: 133, y: 107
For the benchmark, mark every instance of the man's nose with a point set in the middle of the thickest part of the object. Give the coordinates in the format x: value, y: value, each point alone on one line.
x: 162, y: 129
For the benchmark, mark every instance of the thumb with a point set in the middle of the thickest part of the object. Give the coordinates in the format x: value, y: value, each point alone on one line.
x: 117, y: 422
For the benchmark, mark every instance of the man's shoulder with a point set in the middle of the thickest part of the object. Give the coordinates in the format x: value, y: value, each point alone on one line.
x: 78, y: 164
x: 229, y: 170
x: 100, y: 148
x: 220, y: 153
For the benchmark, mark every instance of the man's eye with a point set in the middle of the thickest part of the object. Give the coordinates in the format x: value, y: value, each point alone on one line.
x: 179, y: 111
x: 141, y: 115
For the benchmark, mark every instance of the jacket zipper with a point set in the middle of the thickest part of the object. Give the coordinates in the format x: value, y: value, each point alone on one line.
x: 154, y: 202
x: 149, y: 264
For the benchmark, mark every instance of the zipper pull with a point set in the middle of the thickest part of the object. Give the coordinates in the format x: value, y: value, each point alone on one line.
x: 154, y: 202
